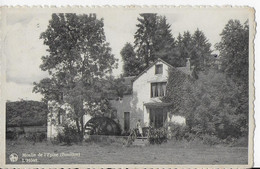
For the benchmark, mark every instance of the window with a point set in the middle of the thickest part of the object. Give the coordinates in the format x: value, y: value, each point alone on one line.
x: 159, y: 69
x: 158, y: 89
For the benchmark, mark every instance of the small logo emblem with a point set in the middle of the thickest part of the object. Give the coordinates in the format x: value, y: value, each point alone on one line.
x: 13, y: 157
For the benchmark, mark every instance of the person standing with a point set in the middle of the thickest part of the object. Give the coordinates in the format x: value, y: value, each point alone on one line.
x: 139, y: 127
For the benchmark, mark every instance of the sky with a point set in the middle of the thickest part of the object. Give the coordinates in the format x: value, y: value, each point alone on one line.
x: 22, y: 48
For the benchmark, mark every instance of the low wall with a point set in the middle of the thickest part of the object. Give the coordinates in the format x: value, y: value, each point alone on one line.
x: 105, y: 138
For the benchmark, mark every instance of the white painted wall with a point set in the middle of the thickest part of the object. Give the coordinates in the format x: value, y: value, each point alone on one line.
x: 123, y: 105
x: 135, y: 103
x: 52, y: 128
x: 142, y: 94
x: 142, y: 90
x: 180, y: 120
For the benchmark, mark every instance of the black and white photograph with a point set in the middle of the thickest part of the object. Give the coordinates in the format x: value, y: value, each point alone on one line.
x: 128, y: 86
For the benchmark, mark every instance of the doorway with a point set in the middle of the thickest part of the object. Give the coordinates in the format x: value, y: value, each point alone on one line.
x: 126, y: 121
x: 158, y: 117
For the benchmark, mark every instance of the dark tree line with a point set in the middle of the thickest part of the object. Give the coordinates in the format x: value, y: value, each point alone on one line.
x: 153, y: 40
x: 26, y: 113
x: 216, y: 104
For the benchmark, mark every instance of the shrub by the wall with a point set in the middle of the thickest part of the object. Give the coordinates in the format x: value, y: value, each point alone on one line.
x: 177, y: 131
x: 210, y: 139
x: 68, y: 135
x: 157, y: 136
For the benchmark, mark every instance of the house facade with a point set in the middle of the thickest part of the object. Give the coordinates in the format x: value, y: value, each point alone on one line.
x: 144, y: 102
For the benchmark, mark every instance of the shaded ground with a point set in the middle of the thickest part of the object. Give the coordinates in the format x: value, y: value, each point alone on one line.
x: 91, y: 153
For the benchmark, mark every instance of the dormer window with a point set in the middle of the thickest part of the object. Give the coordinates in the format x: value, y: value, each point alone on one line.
x: 158, y: 69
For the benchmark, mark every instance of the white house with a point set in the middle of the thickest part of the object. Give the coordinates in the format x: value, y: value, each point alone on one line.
x: 144, y: 101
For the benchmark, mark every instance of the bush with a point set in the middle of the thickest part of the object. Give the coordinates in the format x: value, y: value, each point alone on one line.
x: 14, y: 133
x: 68, y: 135
x: 11, y: 135
x: 190, y: 136
x: 177, y: 131
x: 35, y: 136
x: 157, y: 136
x: 210, y: 139
x: 241, y: 142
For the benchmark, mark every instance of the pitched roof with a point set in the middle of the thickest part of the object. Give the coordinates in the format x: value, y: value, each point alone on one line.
x: 159, y: 59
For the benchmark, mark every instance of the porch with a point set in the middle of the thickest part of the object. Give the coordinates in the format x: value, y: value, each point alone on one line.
x: 158, y: 114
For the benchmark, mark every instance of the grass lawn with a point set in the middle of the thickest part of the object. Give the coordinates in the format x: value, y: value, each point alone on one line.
x: 99, y: 153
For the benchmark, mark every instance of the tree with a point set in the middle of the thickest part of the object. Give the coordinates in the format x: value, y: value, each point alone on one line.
x: 234, y: 56
x: 202, y: 52
x: 131, y: 62
x: 216, y: 104
x: 196, y: 47
x: 210, y: 104
x: 153, y: 40
x: 50, y: 89
x: 79, y: 59
x: 165, y: 43
x: 233, y: 49
x: 184, y: 47
x: 26, y: 113
x: 145, y: 38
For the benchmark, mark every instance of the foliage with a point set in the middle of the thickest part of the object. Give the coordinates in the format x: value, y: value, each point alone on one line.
x: 210, y: 105
x: 210, y: 139
x: 115, y: 87
x: 68, y: 135
x: 79, y: 59
x: 202, y: 52
x: 196, y: 47
x: 130, y: 60
x: 13, y: 135
x: 233, y: 49
x: 165, y: 42
x: 175, y: 89
x: 157, y: 136
x: 26, y: 113
x: 153, y: 39
x: 177, y: 131
x: 145, y: 39
x: 36, y: 136
x: 234, y: 54
x: 28, y: 136
x: 184, y: 47
x: 215, y: 104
